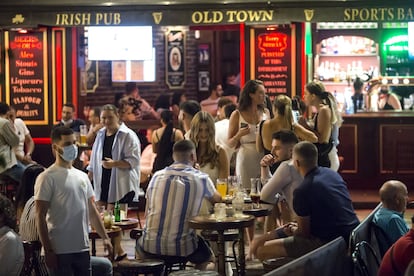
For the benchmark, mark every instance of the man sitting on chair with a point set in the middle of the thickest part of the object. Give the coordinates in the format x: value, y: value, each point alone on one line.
x: 389, y: 219
x: 174, y: 194
x: 323, y: 207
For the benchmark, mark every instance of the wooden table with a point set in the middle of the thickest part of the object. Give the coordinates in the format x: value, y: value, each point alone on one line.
x: 126, y: 224
x: 211, y: 223
x: 263, y: 211
x: 112, y: 233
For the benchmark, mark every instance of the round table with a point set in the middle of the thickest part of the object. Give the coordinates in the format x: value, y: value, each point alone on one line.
x: 112, y: 233
x: 239, y: 222
x: 126, y: 224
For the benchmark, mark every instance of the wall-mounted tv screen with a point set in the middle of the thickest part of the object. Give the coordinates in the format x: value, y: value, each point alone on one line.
x: 411, y: 40
x: 120, y: 43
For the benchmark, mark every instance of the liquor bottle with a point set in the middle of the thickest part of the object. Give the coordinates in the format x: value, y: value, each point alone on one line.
x: 117, y: 211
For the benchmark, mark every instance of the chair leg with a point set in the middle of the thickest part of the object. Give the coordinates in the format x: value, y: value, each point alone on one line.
x: 235, y: 256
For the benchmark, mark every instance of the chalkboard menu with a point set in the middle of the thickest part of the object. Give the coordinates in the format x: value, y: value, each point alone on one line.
x: 272, y: 61
x: 175, y: 59
x: 26, y: 75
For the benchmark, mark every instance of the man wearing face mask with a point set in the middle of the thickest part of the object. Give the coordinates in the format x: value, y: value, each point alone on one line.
x: 65, y: 195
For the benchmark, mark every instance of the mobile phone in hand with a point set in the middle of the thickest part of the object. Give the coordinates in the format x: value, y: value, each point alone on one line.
x: 243, y: 125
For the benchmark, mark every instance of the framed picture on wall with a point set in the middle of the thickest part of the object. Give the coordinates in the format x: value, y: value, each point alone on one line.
x: 203, y: 80
x: 204, y: 54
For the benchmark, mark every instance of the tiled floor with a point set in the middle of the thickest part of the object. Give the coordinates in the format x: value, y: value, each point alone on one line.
x: 366, y: 199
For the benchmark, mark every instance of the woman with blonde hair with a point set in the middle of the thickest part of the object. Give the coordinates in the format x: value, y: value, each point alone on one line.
x: 211, y: 157
x: 283, y: 119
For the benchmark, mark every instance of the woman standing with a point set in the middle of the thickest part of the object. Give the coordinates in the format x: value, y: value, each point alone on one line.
x: 325, y: 118
x: 211, y: 158
x: 163, y: 140
x: 283, y: 119
x: 243, y: 127
x: 114, y: 166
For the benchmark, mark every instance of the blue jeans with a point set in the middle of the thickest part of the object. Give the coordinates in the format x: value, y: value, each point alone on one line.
x: 101, y: 266
x: 15, y: 172
x: 73, y: 264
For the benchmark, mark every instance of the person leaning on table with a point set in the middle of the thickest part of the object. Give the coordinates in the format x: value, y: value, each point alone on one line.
x: 323, y: 207
x: 173, y: 196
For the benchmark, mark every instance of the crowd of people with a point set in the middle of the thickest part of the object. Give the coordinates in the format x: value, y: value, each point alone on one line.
x: 291, y: 148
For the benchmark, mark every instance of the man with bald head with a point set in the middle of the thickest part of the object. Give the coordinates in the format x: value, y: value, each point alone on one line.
x: 390, y: 218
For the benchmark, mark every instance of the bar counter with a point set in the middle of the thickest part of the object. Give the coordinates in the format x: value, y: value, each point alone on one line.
x: 375, y: 147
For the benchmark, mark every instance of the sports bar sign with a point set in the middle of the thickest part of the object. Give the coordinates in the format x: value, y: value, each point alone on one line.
x: 26, y: 75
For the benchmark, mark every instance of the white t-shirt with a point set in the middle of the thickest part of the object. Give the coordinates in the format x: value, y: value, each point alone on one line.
x: 68, y: 192
x: 21, y: 131
x: 11, y: 252
x: 285, y: 180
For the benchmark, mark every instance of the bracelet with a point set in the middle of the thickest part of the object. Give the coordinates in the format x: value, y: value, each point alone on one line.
x: 280, y: 233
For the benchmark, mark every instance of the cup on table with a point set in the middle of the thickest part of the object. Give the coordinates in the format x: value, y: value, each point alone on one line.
x: 83, y: 132
x: 255, y: 186
x: 108, y: 219
x: 221, y: 186
x: 233, y: 185
x: 220, y: 211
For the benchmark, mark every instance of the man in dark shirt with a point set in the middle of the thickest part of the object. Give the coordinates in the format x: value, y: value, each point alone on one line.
x: 68, y: 119
x: 322, y: 204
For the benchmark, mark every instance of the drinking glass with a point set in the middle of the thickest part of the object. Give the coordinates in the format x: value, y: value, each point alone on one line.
x: 220, y: 211
x: 255, y: 191
x: 83, y: 132
x: 221, y: 186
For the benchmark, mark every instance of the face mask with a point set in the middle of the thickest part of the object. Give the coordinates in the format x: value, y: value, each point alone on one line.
x: 70, y: 153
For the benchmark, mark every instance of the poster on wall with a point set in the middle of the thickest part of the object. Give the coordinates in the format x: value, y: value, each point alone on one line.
x: 26, y: 75
x: 175, y: 59
x: 203, y: 80
x: 90, y: 77
x: 272, y: 62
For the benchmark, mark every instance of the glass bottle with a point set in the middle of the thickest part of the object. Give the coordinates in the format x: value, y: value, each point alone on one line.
x: 117, y: 211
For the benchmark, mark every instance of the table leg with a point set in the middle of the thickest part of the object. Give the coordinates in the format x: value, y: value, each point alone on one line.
x: 93, y: 247
x: 242, y: 257
x: 221, y: 267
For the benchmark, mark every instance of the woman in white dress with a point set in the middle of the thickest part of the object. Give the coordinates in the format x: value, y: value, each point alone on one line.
x: 243, y: 127
x: 211, y: 157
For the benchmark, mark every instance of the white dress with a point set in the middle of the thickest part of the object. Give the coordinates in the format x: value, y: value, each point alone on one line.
x: 248, y: 159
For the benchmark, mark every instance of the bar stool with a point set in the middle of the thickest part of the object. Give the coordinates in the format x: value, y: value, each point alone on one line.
x: 134, y: 267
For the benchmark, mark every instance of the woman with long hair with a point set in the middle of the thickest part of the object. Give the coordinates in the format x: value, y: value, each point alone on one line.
x: 283, y: 119
x: 324, y: 120
x: 163, y: 140
x: 211, y: 157
x: 243, y: 127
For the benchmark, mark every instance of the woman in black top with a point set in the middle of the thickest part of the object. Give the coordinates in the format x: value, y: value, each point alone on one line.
x: 163, y: 140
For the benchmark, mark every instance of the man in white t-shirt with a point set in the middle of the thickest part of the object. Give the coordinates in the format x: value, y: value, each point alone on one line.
x: 283, y: 182
x: 222, y: 128
x: 26, y: 145
x: 64, y: 204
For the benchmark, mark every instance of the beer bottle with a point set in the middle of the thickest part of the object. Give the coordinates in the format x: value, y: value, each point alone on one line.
x: 117, y: 211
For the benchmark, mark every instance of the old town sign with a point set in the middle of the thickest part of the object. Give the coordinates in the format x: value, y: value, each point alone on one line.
x: 116, y: 16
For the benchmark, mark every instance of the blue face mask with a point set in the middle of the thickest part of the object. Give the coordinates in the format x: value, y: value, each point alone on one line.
x: 69, y: 153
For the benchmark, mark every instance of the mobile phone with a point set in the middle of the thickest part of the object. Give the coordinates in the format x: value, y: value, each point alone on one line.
x: 242, y: 125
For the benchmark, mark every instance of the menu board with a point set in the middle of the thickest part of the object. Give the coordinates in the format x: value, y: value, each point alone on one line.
x: 272, y: 62
x: 26, y: 75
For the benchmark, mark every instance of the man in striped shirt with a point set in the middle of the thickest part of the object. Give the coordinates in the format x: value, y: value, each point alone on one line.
x: 173, y: 196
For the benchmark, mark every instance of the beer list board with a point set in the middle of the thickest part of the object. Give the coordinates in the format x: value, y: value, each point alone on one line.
x: 273, y: 60
x: 26, y: 77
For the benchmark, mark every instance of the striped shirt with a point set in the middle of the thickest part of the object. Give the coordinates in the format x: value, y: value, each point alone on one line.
x: 27, y: 227
x: 173, y: 196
